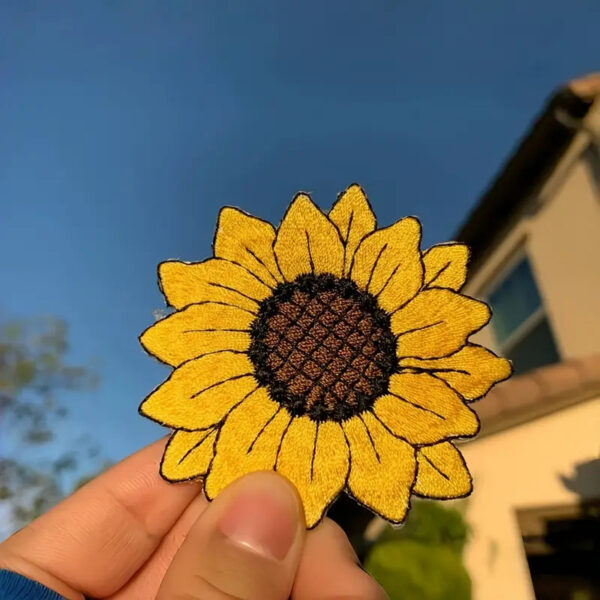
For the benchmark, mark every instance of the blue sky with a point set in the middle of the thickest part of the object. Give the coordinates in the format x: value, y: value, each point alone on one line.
x: 124, y: 126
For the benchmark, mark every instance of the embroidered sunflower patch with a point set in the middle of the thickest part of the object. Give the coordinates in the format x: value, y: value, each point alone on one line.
x: 328, y: 350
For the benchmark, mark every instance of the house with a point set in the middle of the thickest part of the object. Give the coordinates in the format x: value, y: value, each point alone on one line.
x: 535, y: 240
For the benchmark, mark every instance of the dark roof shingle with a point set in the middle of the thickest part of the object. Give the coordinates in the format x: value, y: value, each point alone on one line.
x: 538, y: 393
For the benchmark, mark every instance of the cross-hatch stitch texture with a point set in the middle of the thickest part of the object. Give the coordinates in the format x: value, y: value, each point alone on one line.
x: 328, y: 350
x: 323, y: 348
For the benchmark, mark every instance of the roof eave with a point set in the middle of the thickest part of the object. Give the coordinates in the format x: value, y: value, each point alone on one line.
x: 526, y: 171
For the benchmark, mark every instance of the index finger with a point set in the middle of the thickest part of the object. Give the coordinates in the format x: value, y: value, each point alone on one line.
x: 96, y: 539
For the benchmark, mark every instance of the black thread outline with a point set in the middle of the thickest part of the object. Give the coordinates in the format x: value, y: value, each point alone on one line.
x: 245, y: 214
x: 201, y: 262
x: 156, y: 388
x: 467, y: 263
x: 217, y: 426
x: 434, y: 371
x: 415, y: 405
x: 370, y: 436
x: 350, y: 494
x: 219, y: 383
x: 164, y: 362
x: 387, y: 281
x: 262, y: 429
x: 345, y: 288
x: 336, y: 230
x: 235, y: 291
x: 422, y: 287
x: 314, y: 452
x: 440, y: 497
x: 340, y: 198
x: 473, y: 332
x: 420, y: 259
x: 446, y: 438
x: 195, y: 446
x: 192, y: 478
x: 280, y: 445
x: 321, y: 342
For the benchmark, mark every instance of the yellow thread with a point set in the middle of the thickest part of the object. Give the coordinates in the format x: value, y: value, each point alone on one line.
x: 442, y: 472
x: 315, y: 460
x: 308, y: 242
x: 446, y: 266
x: 471, y: 371
x: 188, y: 454
x: 248, y: 241
x: 197, y: 330
x: 216, y: 279
x: 248, y: 441
x: 391, y: 446
x: 200, y: 392
x: 424, y: 410
x: 382, y: 468
x: 436, y: 323
x: 354, y: 219
x: 388, y: 264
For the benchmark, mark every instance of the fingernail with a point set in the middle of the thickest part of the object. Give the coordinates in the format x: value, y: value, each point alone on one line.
x: 265, y: 523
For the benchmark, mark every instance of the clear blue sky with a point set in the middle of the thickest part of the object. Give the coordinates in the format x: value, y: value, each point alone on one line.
x: 124, y: 126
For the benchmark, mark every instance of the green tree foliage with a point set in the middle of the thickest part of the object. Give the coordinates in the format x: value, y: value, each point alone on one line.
x: 423, y: 559
x: 33, y: 373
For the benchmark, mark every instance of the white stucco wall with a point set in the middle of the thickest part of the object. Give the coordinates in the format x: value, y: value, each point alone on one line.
x: 562, y: 241
x: 564, y: 246
x: 515, y: 469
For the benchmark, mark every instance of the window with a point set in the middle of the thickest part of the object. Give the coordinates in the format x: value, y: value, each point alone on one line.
x: 520, y: 324
x: 562, y: 544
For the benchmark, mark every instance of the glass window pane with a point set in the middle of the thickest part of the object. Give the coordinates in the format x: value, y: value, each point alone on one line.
x: 515, y: 299
x: 535, y: 350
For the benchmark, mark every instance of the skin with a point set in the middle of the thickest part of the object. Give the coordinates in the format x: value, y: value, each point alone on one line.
x: 128, y: 534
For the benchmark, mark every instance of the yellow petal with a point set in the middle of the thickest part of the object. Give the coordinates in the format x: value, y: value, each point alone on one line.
x: 446, y: 265
x: 201, y: 391
x: 215, y: 280
x: 437, y: 322
x: 196, y: 330
x: 471, y: 371
x: 248, y: 241
x: 424, y: 410
x: 354, y: 219
x: 188, y: 454
x: 249, y: 441
x: 315, y: 459
x: 442, y: 473
x: 388, y: 263
x: 308, y: 242
x: 382, y: 467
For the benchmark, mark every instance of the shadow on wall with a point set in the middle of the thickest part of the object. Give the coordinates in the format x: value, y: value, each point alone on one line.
x: 585, y: 480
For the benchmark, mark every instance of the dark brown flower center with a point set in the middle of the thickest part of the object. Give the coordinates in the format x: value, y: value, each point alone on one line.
x: 323, y: 347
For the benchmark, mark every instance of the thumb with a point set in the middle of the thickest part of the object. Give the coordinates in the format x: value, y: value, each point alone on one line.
x: 246, y: 545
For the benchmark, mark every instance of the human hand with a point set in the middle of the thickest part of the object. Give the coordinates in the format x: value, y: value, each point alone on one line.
x: 130, y: 535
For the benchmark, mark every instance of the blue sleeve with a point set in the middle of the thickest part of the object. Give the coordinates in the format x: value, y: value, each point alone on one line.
x: 16, y: 587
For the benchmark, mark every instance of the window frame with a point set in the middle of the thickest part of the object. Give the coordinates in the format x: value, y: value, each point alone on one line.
x: 533, y: 320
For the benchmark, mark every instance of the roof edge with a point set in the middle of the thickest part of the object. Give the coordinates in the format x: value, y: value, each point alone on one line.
x: 539, y: 393
x: 528, y: 413
x: 528, y: 167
